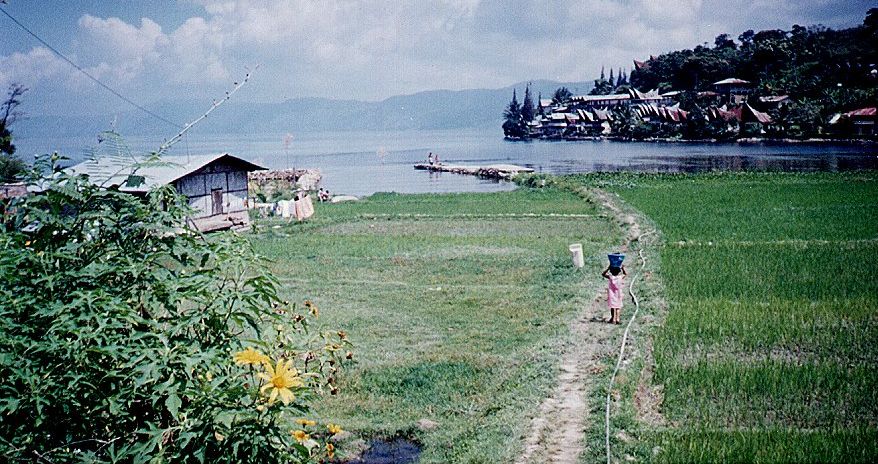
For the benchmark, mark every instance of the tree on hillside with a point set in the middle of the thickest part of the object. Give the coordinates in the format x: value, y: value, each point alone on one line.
x: 724, y: 41
x: 601, y: 87
x: 10, y: 165
x: 513, y: 127
x: 527, y: 106
x: 561, y: 96
x: 625, y: 122
x: 513, y: 110
x: 797, y: 119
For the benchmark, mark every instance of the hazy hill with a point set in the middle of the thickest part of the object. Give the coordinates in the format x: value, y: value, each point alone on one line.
x: 436, y: 109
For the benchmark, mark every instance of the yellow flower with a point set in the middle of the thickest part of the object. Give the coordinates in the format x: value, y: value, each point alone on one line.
x: 251, y: 356
x: 300, y: 435
x: 279, y: 380
x: 312, y: 307
x: 330, y: 450
x: 334, y: 429
x: 306, y: 422
x: 333, y: 347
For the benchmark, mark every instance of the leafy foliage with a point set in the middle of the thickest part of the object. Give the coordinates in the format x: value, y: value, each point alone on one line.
x: 561, y: 95
x: 527, y: 106
x: 118, y: 328
x: 513, y: 126
x: 814, y: 63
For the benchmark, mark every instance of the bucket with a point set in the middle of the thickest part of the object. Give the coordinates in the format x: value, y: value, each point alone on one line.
x: 616, y: 259
x: 576, y: 252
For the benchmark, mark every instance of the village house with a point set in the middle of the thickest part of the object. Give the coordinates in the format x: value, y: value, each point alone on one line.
x: 661, y: 113
x: 857, y: 123
x: 734, y: 91
x: 600, y: 101
x: 215, y: 185
x: 774, y: 101
x: 555, y: 124
x: 13, y: 190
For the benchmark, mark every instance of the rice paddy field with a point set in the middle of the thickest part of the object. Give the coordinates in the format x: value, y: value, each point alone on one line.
x: 769, y: 349
x: 458, y: 306
x: 759, y: 330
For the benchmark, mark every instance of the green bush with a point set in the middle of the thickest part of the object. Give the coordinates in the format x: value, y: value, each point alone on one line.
x: 123, y: 336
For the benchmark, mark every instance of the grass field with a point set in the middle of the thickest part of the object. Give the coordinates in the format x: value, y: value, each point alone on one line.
x: 457, y: 305
x: 770, y: 346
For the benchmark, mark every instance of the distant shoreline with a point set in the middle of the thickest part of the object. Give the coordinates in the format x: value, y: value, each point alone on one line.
x: 741, y: 141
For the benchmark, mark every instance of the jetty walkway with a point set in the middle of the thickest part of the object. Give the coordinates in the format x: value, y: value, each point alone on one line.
x: 493, y: 171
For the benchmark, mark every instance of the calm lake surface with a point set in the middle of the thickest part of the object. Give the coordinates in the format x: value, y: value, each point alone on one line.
x: 362, y: 163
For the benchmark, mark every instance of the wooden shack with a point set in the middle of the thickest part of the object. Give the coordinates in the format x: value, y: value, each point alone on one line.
x: 216, y: 185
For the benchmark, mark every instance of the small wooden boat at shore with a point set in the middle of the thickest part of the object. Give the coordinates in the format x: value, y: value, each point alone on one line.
x: 492, y: 171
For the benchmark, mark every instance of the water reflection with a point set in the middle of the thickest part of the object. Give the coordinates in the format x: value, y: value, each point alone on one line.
x: 361, y: 163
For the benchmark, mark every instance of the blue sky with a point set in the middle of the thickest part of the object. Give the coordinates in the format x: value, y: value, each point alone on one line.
x: 357, y: 49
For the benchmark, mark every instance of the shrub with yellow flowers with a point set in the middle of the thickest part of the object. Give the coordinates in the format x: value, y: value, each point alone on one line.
x: 126, y: 337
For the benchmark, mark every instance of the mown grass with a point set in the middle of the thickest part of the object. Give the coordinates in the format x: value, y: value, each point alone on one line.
x: 768, y: 352
x: 457, y: 305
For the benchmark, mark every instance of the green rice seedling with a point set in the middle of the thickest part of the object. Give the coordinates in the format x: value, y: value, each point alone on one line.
x: 769, y: 347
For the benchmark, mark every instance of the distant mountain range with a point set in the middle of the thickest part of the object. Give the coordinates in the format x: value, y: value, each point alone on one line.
x: 435, y: 109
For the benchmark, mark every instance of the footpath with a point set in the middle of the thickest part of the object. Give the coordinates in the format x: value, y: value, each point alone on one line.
x: 557, y: 434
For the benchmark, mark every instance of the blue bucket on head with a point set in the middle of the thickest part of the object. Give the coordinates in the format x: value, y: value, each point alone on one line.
x: 616, y: 259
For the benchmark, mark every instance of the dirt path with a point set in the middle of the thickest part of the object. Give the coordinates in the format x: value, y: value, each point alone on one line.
x: 556, y: 434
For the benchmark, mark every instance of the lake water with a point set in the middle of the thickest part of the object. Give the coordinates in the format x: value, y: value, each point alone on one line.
x: 361, y: 163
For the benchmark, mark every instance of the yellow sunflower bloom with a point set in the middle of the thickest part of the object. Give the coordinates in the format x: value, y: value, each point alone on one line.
x: 306, y: 422
x: 251, y: 356
x: 334, y: 429
x: 300, y: 435
x: 330, y: 450
x: 279, y: 380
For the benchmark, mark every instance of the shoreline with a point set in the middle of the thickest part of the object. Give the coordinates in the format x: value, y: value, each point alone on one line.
x: 741, y: 141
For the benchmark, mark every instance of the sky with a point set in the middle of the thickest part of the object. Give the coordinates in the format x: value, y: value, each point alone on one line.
x: 165, y: 50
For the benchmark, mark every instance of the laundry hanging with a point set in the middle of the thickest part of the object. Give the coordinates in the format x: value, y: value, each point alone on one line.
x: 304, y: 207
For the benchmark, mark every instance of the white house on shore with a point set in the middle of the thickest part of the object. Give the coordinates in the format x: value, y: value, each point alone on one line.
x: 216, y: 185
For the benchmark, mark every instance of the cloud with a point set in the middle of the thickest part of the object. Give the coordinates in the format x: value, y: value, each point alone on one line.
x: 30, y: 68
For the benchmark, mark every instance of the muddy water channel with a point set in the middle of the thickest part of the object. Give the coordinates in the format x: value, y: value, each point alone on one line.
x: 396, y: 451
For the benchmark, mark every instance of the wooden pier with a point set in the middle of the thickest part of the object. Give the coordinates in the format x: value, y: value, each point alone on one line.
x: 492, y: 171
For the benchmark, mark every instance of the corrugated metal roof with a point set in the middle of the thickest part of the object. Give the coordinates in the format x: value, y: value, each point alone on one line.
x: 114, y: 171
x: 774, y: 98
x: 650, y: 95
x: 587, y: 98
x: 862, y: 112
x: 758, y: 115
x: 731, y: 80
